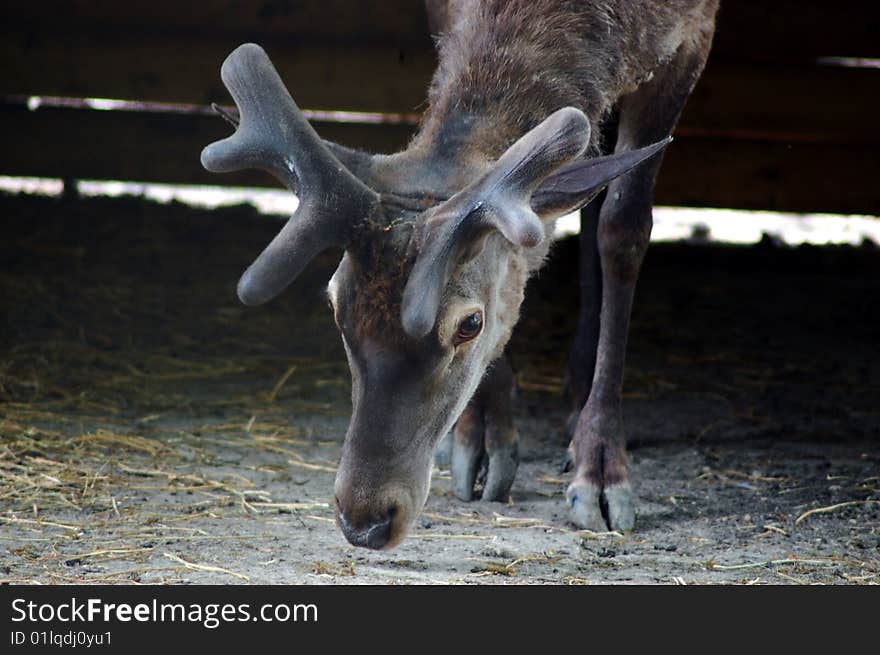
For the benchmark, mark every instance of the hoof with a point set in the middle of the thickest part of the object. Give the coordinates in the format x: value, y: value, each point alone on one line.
x: 500, y: 471
x: 584, y: 506
x: 586, y: 502
x: 503, y: 462
x: 621, y: 505
x: 465, y: 466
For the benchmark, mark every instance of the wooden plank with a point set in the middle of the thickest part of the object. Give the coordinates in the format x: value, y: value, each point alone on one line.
x: 826, y: 103
x: 370, y: 77
x: 797, y: 177
x: 786, y: 103
x: 747, y: 29
x: 797, y: 30
x: 801, y: 177
x: 397, y: 21
x: 143, y: 146
x: 778, y: 137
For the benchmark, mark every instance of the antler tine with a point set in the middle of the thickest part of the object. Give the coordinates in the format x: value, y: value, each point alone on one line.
x: 273, y: 135
x: 499, y: 200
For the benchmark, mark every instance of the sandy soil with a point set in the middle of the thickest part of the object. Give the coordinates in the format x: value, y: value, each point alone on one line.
x: 153, y: 430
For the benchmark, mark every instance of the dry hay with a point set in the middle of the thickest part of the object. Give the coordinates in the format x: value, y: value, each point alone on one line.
x: 117, y: 383
x: 84, y: 433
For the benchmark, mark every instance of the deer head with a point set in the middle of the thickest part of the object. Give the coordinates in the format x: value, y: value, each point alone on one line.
x: 428, y: 290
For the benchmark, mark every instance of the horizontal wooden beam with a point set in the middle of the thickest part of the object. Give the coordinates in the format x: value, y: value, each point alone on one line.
x: 698, y: 171
x: 796, y: 177
x: 786, y: 103
x: 334, y: 53
x: 365, y: 76
x: 796, y: 30
x: 148, y: 147
x: 747, y: 29
x: 394, y: 21
x: 822, y: 103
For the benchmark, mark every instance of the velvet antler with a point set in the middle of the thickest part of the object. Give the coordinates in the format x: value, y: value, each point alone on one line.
x: 499, y: 200
x: 539, y: 177
x: 273, y: 135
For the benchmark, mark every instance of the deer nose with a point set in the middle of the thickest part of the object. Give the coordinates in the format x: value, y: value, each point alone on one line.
x: 373, y: 533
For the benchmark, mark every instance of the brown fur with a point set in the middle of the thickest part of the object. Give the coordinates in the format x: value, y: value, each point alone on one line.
x: 505, y: 65
x: 452, y: 227
x: 510, y: 63
x: 381, y: 267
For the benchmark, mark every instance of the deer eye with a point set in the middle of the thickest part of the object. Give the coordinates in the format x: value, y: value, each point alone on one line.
x: 469, y: 327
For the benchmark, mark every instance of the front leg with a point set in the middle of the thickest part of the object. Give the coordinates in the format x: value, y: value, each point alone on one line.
x: 486, y: 428
x: 600, y: 495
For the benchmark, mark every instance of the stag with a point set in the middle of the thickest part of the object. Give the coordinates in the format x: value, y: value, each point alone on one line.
x: 537, y: 108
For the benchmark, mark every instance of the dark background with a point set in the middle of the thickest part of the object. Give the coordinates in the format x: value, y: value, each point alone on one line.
x: 776, y: 122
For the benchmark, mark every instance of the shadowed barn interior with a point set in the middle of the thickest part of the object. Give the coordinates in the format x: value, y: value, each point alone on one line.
x: 153, y: 429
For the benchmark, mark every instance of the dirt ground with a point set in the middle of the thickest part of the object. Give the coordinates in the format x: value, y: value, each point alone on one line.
x: 154, y: 430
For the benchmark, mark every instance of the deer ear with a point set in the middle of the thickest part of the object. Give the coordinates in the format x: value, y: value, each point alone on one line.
x: 574, y: 184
